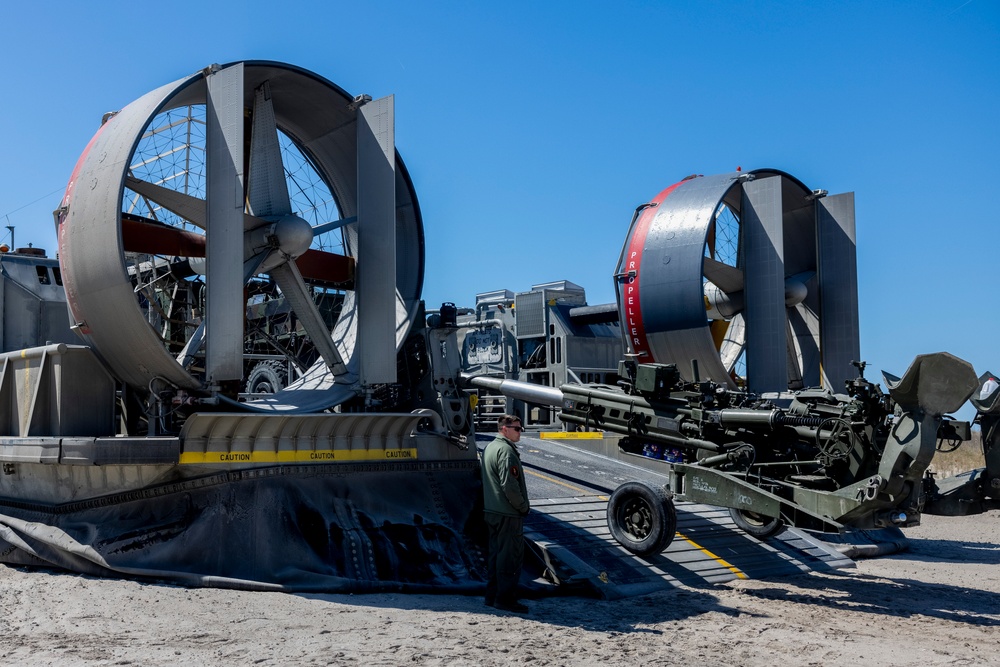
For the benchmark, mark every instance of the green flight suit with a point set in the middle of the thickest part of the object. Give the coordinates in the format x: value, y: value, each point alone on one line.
x: 505, y: 501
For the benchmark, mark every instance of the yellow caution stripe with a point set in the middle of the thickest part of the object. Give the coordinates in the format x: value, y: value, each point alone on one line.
x: 312, y: 456
x: 574, y: 435
x: 721, y: 561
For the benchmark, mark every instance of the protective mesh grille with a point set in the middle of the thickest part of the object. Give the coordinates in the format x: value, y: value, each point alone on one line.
x: 530, y: 311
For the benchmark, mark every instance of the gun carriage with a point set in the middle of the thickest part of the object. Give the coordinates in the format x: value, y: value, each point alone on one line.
x: 810, y: 458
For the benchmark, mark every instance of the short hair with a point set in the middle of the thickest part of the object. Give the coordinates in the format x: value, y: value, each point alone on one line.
x: 507, y: 420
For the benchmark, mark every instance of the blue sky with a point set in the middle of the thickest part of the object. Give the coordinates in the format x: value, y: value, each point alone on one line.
x: 533, y: 129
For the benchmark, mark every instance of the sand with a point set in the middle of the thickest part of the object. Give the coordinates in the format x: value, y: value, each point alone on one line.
x: 937, y: 604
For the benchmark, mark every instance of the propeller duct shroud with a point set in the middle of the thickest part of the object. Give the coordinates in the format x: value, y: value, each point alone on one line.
x: 743, y: 267
x: 123, y: 271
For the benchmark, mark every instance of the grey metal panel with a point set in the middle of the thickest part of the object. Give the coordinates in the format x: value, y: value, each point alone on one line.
x: 376, y: 282
x: 99, y: 293
x: 530, y: 310
x: 120, y: 451
x: 670, y: 280
x: 798, y: 226
x: 804, y: 325
x: 32, y: 304
x: 55, y: 390
x: 674, y: 251
x: 593, y: 354
x: 837, y: 275
x: 767, y: 344
x: 20, y: 317
x: 77, y: 451
x: 136, y: 451
x: 225, y: 304
x: 29, y: 450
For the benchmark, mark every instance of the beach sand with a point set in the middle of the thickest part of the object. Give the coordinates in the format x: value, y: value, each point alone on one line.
x: 936, y: 604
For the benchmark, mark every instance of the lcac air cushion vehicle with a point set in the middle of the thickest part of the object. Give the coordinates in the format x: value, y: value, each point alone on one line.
x: 131, y: 450
x: 736, y: 294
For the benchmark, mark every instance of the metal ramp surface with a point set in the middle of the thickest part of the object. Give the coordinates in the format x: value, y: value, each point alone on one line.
x: 708, y: 549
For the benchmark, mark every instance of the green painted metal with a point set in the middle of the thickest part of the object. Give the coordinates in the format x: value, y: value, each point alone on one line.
x: 812, y: 458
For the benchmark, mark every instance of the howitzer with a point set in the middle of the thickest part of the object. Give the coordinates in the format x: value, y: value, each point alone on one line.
x: 812, y: 458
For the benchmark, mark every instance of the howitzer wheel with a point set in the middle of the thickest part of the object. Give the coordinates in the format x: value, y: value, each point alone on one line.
x: 642, y: 518
x: 758, y: 525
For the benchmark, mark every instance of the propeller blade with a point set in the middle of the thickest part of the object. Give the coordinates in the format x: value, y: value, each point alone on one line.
x: 267, y: 189
x: 251, y: 267
x: 142, y: 235
x: 192, y: 347
x: 765, y: 312
x: 226, y: 304
x: 193, y: 209
x: 289, y: 280
x: 727, y: 278
x: 838, y: 288
x: 376, y: 285
x: 733, y: 343
x: 327, y: 267
x: 190, y: 208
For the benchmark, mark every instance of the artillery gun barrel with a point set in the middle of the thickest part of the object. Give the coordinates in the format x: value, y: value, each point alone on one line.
x: 525, y: 391
x: 543, y: 395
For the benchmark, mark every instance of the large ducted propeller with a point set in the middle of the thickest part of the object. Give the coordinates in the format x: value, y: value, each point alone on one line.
x: 242, y: 227
x: 746, y: 266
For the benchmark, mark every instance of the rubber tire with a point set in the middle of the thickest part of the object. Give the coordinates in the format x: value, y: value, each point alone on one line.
x: 267, y: 377
x: 642, y: 518
x: 761, y: 527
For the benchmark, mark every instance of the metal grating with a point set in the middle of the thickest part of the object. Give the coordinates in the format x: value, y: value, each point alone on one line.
x: 708, y: 549
x: 529, y: 308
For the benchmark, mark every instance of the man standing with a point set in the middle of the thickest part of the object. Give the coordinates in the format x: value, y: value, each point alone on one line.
x: 506, y: 505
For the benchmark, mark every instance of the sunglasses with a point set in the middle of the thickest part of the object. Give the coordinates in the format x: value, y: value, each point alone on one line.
x: 516, y: 428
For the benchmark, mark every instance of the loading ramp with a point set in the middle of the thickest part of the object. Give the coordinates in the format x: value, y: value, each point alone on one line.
x: 569, y: 487
x: 708, y: 549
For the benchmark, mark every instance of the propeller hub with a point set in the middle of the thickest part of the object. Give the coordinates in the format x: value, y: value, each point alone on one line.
x: 795, y: 292
x: 293, y: 234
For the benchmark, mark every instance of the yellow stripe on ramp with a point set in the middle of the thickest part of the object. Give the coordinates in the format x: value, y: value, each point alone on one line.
x: 574, y: 435
x: 718, y: 559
